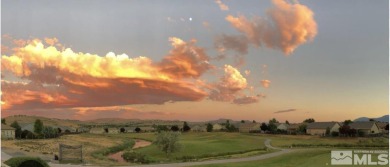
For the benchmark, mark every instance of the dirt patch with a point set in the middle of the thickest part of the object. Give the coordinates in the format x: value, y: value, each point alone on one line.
x: 117, y: 156
x: 141, y: 143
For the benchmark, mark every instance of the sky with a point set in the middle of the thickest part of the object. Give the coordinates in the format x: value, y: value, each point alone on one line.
x: 195, y: 60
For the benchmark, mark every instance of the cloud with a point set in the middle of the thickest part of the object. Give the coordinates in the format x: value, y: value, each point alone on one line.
x: 229, y: 85
x: 185, y: 60
x: 285, y: 27
x: 247, y: 99
x: 237, y: 43
x: 91, y: 113
x: 247, y: 72
x: 66, y: 79
x: 283, y: 111
x: 265, y: 83
x: 221, y: 5
x: 51, y: 41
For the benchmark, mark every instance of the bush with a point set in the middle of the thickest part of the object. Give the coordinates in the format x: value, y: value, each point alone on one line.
x: 26, y: 161
x: 102, y: 154
x: 135, y: 157
x: 334, y: 134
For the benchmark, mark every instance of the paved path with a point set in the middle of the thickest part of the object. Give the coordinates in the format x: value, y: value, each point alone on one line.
x: 267, y: 143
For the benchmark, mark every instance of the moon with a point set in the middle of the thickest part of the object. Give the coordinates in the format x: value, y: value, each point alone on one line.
x: 190, y: 19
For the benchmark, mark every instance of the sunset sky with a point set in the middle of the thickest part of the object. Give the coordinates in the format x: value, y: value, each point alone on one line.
x: 195, y: 60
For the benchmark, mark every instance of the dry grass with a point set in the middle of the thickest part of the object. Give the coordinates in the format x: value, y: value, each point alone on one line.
x: 90, y: 143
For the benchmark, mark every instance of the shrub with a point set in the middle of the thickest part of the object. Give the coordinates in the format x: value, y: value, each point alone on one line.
x: 132, y: 156
x: 334, y: 134
x: 101, y: 154
x: 26, y: 161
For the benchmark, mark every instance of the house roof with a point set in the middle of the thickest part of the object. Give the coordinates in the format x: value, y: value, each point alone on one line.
x: 6, y: 127
x: 382, y: 125
x: 321, y: 125
x: 95, y: 129
x: 294, y: 126
x: 28, y: 127
x: 249, y: 125
x: 277, y: 124
x: 362, y: 125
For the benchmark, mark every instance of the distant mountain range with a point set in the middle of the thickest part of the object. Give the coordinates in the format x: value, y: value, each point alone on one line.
x: 384, y: 118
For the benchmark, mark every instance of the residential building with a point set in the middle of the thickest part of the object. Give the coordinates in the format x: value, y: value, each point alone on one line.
x: 198, y: 128
x: 367, y: 128
x: 249, y: 127
x: 218, y: 127
x: 7, y: 132
x: 281, y: 126
x: 320, y: 128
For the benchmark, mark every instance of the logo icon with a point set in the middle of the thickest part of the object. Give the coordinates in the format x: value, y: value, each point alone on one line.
x: 341, y: 158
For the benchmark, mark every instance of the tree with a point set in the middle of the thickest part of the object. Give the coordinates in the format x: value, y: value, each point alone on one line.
x: 38, y: 126
x: 347, y: 122
x: 168, y: 142
x: 309, y: 120
x: 302, y: 128
x: 242, y: 121
x: 264, y: 127
x: 18, y: 129
x: 209, y: 127
x: 137, y: 129
x: 327, y: 132
x: 387, y: 127
x: 160, y: 128
x: 175, y: 128
x: 273, y: 120
x: 253, y: 121
x: 371, y: 120
x: 232, y: 128
x: 49, y: 132
x: 186, y: 128
x: 272, y: 125
x: 288, y: 123
x: 3, y: 121
x: 227, y: 125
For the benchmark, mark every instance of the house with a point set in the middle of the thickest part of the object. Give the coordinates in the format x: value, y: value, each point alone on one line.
x: 320, y: 128
x: 293, y: 128
x: 382, y: 127
x: 366, y: 127
x: 112, y: 130
x: 97, y: 130
x: 146, y: 129
x: 198, y: 128
x: 249, y: 127
x: 82, y: 130
x: 218, y: 127
x: 7, y: 132
x: 127, y: 130
x: 281, y: 126
x: 64, y: 129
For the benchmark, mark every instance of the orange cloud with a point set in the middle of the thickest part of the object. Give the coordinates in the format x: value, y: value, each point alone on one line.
x: 185, y: 60
x: 247, y: 99
x: 285, y: 27
x: 266, y: 83
x: 68, y: 79
x: 51, y: 41
x: 221, y: 5
x: 231, y: 84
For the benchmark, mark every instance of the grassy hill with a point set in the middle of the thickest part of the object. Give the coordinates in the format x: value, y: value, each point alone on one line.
x: 26, y: 119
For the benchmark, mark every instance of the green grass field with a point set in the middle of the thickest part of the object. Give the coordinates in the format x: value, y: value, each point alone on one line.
x: 319, y: 157
x: 203, y: 146
x: 198, y: 144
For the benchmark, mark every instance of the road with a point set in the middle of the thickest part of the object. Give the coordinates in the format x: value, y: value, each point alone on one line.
x: 267, y: 143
